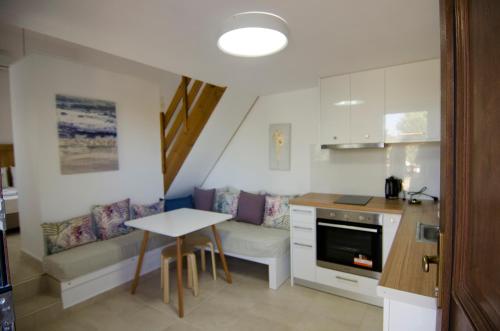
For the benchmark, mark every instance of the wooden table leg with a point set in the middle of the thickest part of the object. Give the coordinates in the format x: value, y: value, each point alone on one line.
x: 221, y: 253
x: 144, y: 244
x: 180, y: 288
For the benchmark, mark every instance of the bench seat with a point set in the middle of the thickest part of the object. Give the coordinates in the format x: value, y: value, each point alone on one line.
x: 85, y: 259
x: 252, y: 240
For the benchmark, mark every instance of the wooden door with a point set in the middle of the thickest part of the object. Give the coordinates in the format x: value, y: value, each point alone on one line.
x: 470, y: 210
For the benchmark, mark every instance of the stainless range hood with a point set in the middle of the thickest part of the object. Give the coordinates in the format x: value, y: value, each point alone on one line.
x: 353, y: 146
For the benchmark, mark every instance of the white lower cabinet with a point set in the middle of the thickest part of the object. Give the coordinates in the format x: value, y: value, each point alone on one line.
x: 304, y: 260
x: 303, y: 242
x: 390, y: 226
x: 399, y: 316
x: 348, y: 282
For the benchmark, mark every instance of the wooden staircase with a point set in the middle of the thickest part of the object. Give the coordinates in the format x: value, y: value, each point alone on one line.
x: 182, y: 123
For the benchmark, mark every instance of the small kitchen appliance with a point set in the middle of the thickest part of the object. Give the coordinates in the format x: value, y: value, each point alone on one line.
x: 393, y: 187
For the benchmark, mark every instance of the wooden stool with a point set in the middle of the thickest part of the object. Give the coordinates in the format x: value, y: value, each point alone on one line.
x: 200, y: 241
x: 167, y: 255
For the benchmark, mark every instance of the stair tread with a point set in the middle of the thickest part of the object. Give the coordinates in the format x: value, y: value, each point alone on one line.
x: 35, y: 303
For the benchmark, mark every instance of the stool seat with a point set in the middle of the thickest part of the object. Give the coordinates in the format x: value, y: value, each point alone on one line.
x: 201, y: 241
x: 169, y: 254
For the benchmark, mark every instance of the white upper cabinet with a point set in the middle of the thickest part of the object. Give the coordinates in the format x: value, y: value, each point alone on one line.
x: 394, y: 104
x: 412, y: 102
x: 335, y: 117
x: 352, y: 108
x: 367, y: 107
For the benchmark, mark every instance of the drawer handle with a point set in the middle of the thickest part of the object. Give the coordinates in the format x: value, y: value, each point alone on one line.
x: 302, y: 228
x: 347, y: 279
x: 302, y: 211
x: 302, y: 245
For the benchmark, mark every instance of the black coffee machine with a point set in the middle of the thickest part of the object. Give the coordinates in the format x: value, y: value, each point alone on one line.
x: 393, y: 187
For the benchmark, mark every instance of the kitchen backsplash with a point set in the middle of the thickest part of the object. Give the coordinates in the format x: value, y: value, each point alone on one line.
x: 363, y: 171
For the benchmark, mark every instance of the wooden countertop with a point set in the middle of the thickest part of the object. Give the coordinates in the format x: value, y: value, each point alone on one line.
x: 403, y: 268
x: 376, y: 204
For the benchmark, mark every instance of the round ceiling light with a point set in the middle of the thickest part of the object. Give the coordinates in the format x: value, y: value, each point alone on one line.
x: 253, y: 34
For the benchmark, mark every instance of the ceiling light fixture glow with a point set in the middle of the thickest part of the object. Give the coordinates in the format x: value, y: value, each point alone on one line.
x: 253, y: 34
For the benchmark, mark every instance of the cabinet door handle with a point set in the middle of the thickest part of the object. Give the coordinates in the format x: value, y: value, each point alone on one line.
x: 302, y: 228
x: 302, y: 245
x: 348, y: 227
x: 347, y: 279
x: 302, y: 211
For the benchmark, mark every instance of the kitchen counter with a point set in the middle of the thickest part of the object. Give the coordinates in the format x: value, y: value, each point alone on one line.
x: 376, y: 204
x: 402, y: 277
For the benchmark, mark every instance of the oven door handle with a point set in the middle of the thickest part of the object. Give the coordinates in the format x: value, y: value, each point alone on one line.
x: 348, y: 227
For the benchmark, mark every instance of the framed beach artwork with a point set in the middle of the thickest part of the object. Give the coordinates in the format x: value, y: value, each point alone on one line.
x: 279, y: 146
x: 87, y: 135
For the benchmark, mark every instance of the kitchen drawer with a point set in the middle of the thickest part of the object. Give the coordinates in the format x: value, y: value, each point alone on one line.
x: 304, y: 260
x: 302, y: 214
x: 299, y: 230
x: 346, y: 281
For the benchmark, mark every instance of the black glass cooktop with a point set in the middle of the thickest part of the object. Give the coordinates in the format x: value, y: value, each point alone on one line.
x: 360, y: 200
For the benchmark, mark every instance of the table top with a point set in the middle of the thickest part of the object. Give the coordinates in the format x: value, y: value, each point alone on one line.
x: 178, y: 222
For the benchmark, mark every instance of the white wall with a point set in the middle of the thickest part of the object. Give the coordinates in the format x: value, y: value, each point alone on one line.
x: 44, y: 194
x: 5, y: 118
x: 245, y: 162
x: 361, y: 171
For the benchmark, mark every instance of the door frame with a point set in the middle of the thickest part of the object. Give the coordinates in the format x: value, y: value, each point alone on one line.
x: 447, y: 185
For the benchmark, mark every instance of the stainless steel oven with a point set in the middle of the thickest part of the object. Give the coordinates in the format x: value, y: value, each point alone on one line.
x: 349, y: 242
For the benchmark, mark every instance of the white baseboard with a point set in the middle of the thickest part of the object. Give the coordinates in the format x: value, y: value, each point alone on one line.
x: 87, y: 286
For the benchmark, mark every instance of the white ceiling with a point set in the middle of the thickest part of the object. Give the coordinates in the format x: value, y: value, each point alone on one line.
x: 327, y: 36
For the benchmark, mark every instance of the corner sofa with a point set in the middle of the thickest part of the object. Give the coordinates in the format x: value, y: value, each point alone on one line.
x: 90, y: 269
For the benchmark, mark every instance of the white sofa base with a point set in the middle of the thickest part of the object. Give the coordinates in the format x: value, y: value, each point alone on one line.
x: 279, y: 267
x: 88, y: 286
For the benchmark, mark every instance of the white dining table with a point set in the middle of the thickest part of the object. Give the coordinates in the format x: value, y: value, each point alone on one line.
x: 178, y: 223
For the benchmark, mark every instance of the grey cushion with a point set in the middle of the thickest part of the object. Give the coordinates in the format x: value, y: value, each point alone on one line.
x: 252, y: 240
x: 88, y: 258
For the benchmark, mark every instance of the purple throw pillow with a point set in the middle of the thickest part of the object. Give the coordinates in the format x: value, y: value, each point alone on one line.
x: 204, y: 199
x: 251, y: 208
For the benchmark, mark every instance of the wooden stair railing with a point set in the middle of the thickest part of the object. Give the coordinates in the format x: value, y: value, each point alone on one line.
x: 194, y: 112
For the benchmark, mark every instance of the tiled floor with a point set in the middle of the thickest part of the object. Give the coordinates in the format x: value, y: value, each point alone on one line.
x: 21, y: 266
x: 247, y: 304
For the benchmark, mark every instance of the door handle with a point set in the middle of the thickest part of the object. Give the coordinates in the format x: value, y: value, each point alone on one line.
x: 428, y: 260
x: 302, y: 245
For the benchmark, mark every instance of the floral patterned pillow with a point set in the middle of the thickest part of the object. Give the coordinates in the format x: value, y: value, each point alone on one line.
x: 68, y: 234
x: 226, y: 201
x: 276, y: 212
x: 110, y: 219
x: 138, y: 211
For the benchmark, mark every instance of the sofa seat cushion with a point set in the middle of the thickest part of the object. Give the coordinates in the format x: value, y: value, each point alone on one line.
x: 85, y: 259
x: 252, y: 240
